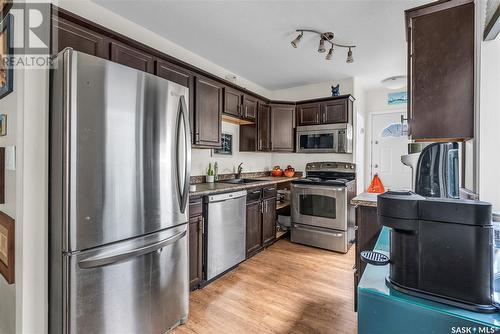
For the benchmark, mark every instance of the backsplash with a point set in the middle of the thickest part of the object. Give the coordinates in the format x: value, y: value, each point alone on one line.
x: 250, y: 175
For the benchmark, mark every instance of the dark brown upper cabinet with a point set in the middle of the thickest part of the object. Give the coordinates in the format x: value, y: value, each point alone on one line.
x: 207, y: 112
x: 249, y: 108
x: 441, y: 62
x: 335, y: 111
x: 326, y: 111
x: 174, y: 73
x: 232, y: 102
x: 264, y: 127
x: 309, y: 114
x: 79, y: 38
x: 132, y: 57
x: 282, y: 127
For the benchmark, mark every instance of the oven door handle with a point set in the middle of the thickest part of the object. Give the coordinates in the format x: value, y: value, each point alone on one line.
x: 314, y: 187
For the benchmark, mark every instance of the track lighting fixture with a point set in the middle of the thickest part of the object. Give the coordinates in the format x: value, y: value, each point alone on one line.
x: 330, y: 54
x: 324, y: 38
x: 296, y: 41
x: 350, y: 59
x: 321, y: 47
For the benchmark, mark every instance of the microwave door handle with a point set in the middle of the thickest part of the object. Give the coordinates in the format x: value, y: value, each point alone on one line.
x: 184, y: 188
x: 98, y: 261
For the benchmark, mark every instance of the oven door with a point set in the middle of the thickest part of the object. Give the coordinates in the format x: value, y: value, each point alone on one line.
x: 322, y: 206
x: 318, y: 141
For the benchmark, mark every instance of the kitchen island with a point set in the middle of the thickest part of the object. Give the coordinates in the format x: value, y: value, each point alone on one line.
x: 383, y: 310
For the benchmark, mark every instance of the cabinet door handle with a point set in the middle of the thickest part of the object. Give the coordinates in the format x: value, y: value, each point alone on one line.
x: 261, y: 208
x: 260, y: 144
x: 246, y: 111
x: 324, y: 117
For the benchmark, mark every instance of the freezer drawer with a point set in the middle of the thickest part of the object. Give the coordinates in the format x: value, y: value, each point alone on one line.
x: 136, y: 286
x: 334, y: 240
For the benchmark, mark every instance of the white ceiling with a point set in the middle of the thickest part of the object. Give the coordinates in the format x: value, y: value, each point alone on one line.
x: 252, y: 38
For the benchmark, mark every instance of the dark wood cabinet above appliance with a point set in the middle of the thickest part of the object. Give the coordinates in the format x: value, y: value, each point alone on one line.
x: 441, y: 62
x: 325, y: 111
x: 132, y: 57
x: 70, y: 34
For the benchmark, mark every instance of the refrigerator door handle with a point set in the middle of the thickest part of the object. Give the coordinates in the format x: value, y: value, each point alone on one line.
x: 101, y: 261
x: 183, y: 189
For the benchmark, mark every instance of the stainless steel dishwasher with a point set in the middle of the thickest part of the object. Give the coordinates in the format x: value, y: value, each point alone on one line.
x: 226, y: 232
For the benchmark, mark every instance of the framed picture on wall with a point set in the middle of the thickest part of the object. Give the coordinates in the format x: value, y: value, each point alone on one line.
x: 6, y: 42
x: 7, y: 256
x: 226, y: 146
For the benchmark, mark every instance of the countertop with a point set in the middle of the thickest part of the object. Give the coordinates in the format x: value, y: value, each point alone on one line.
x: 365, y: 199
x: 385, y: 310
x: 221, y: 187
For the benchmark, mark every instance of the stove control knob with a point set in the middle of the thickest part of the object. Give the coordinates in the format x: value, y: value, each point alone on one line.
x: 346, y: 166
x: 352, y: 167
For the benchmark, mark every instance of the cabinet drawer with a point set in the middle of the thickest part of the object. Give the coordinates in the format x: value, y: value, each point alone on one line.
x: 254, y: 195
x: 195, y: 207
x: 269, y: 192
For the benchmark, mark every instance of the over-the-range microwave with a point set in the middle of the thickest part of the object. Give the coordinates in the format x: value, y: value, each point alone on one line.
x: 326, y: 138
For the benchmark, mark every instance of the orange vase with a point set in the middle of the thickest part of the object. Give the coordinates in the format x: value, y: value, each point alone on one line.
x: 376, y: 185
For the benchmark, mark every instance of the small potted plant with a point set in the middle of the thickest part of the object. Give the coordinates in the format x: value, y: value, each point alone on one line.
x: 210, y: 173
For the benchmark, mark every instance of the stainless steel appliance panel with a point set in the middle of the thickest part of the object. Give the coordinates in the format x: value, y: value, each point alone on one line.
x: 126, y: 152
x: 321, y: 206
x: 136, y: 286
x: 328, y: 138
x: 226, y: 232
x: 334, y: 240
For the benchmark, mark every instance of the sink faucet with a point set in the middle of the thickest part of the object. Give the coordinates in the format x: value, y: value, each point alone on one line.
x: 240, y: 169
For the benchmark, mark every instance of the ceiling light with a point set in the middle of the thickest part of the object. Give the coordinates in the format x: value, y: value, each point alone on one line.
x: 330, y: 54
x: 321, y: 47
x: 349, y: 59
x: 325, y: 37
x: 395, y: 82
x: 296, y: 41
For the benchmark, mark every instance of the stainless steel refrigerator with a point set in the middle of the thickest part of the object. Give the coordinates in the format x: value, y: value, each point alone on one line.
x: 119, y: 186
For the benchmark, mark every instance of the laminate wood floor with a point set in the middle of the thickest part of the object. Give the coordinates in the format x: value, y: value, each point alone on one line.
x: 287, y: 288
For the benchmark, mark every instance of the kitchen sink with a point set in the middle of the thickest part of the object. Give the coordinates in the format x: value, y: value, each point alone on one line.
x: 240, y: 181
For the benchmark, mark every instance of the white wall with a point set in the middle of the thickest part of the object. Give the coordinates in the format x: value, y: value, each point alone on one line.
x: 9, y: 105
x: 318, y: 90
x: 489, y: 178
x: 252, y: 162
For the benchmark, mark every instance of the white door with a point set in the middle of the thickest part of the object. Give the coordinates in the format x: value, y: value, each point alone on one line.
x: 388, y: 145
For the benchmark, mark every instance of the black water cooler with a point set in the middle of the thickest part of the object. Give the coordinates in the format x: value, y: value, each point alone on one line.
x: 441, y: 249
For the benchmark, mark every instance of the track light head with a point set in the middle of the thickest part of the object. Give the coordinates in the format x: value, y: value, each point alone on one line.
x: 349, y: 59
x: 296, y: 41
x: 321, y: 47
x: 330, y: 54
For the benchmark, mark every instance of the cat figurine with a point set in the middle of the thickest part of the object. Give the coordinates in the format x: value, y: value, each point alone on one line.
x: 336, y: 90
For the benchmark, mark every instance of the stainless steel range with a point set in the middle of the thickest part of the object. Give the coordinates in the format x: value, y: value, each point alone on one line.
x: 321, y: 214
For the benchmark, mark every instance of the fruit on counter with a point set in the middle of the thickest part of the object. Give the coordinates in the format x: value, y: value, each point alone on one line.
x: 289, y: 171
x: 276, y: 171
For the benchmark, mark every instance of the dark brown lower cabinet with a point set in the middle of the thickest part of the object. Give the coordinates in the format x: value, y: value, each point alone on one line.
x: 261, y: 219
x: 195, y: 243
x: 268, y: 221
x: 254, y: 228
x: 195, y: 251
x: 367, y: 232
